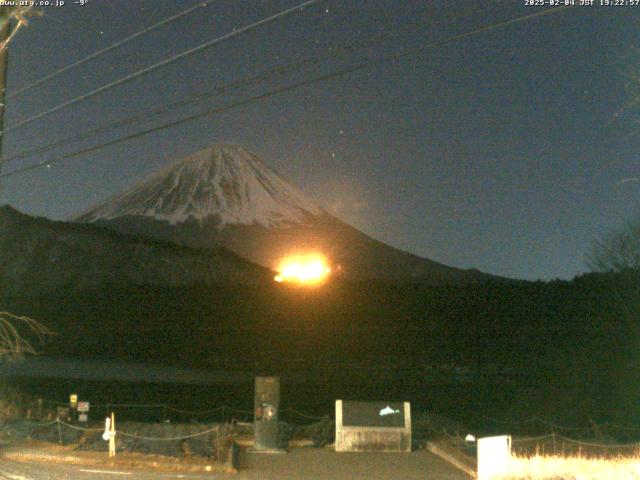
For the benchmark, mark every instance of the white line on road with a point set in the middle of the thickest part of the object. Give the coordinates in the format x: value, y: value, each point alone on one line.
x: 110, y: 472
x: 11, y: 476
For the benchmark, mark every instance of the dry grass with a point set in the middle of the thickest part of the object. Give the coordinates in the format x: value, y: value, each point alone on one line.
x: 539, y: 467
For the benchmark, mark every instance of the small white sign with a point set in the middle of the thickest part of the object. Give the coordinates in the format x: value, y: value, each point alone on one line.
x: 83, y: 406
x: 83, y: 417
x: 493, y: 456
x: 107, y: 427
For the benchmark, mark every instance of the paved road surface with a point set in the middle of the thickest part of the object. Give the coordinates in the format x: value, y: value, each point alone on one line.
x: 325, y: 464
x: 299, y: 464
x: 10, y: 470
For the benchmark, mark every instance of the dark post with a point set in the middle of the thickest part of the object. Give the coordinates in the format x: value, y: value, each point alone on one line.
x: 266, y: 412
x: 5, y: 29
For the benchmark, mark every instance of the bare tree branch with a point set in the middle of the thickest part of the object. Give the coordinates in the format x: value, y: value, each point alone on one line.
x: 14, y: 331
x: 617, y: 251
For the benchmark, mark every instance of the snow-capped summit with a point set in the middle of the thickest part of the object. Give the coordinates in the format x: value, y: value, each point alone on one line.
x: 224, y: 196
x: 223, y: 181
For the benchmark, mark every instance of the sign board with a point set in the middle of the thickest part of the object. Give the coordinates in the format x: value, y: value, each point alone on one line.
x: 73, y: 401
x: 373, y: 414
x: 83, y: 417
x: 373, y: 426
x: 493, y: 456
x: 83, y: 407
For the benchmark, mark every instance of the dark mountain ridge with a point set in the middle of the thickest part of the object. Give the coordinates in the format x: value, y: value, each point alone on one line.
x: 39, y: 255
x: 562, y: 349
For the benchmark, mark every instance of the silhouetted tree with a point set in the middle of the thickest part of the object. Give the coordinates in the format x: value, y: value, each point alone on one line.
x: 617, y: 251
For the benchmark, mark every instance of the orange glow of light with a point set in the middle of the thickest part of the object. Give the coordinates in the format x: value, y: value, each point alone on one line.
x: 307, y: 270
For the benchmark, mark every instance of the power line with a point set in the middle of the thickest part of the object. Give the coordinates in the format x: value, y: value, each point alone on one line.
x: 191, y: 99
x: 117, y: 44
x: 165, y: 62
x: 340, y: 73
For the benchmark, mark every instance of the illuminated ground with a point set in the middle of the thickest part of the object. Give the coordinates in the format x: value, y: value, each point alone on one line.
x: 325, y: 464
x: 299, y: 464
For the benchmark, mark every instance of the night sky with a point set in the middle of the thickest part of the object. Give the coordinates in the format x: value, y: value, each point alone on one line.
x: 508, y: 151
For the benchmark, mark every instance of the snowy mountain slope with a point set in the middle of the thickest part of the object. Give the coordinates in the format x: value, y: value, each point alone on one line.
x: 224, y: 196
x: 224, y: 181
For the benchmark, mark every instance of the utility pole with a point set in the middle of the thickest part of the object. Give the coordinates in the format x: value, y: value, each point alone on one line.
x: 5, y: 28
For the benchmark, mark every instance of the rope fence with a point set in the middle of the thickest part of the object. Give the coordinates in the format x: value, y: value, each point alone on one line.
x: 546, y: 444
x: 560, y: 445
x: 537, y: 424
x: 552, y: 436
x: 141, y: 437
x: 211, y: 439
x: 222, y: 409
x: 164, y: 439
x: 555, y: 433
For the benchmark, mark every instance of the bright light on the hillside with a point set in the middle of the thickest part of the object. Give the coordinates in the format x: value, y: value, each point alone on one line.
x: 308, y: 270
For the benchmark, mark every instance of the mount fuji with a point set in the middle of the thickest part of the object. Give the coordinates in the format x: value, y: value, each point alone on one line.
x: 224, y: 196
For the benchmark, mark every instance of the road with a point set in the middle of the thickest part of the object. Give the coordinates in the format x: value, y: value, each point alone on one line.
x: 11, y: 470
x: 299, y: 464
